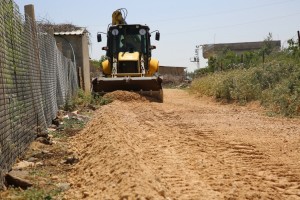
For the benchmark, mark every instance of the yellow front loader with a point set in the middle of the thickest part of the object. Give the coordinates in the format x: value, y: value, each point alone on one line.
x: 129, y: 65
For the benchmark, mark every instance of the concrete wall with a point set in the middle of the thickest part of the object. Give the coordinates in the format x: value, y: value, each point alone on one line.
x: 78, y: 44
x: 86, y: 63
x: 172, y: 74
x: 175, y: 71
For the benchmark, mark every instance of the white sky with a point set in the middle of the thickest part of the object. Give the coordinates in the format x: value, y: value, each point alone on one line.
x: 182, y: 24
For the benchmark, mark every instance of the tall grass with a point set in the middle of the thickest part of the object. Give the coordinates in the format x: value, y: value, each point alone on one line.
x: 276, y: 84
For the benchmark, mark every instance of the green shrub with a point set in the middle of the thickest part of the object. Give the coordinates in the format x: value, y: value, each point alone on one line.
x: 245, y: 86
x: 275, y: 84
x: 274, y: 80
x: 285, y: 97
x: 239, y: 85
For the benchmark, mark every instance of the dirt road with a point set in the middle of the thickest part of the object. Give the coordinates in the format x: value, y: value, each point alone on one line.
x: 186, y: 148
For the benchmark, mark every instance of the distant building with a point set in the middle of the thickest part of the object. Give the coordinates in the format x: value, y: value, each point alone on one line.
x: 210, y: 50
x: 173, y: 74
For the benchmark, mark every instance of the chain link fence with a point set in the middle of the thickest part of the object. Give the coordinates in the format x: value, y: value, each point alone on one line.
x: 35, y: 80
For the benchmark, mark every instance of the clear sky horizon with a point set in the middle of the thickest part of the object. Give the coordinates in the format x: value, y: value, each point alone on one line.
x: 182, y: 24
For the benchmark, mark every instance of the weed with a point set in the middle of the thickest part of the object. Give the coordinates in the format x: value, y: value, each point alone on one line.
x: 57, y: 134
x: 35, y: 194
x: 69, y: 105
x: 100, y: 100
x: 85, y: 100
x: 73, y: 123
x: 38, y: 172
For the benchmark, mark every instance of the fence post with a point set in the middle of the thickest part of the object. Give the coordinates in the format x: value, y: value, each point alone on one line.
x: 299, y: 38
x: 29, y: 11
x: 30, y: 19
x: 242, y: 58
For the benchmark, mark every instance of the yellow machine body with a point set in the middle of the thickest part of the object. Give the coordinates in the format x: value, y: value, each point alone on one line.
x: 153, y: 64
x: 106, y: 68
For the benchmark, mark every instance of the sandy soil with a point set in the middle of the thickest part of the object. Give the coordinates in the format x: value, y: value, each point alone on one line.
x: 185, y: 148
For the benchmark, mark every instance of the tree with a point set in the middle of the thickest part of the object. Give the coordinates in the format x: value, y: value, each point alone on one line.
x: 267, y: 48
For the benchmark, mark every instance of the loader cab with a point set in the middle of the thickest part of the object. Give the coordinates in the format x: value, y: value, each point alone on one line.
x: 128, y: 50
x: 128, y: 38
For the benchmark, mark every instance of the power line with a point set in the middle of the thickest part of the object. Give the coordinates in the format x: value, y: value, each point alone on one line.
x: 209, y: 14
x: 223, y: 12
x: 234, y: 25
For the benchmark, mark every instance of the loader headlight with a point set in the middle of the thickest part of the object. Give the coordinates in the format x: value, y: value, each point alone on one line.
x: 142, y: 31
x: 115, y: 32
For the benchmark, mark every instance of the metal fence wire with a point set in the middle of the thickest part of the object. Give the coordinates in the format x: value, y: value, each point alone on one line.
x: 35, y: 80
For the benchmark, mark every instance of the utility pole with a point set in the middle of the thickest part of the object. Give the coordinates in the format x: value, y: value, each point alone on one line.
x: 196, y: 57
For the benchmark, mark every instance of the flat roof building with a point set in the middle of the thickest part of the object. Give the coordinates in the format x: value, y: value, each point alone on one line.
x: 210, y: 50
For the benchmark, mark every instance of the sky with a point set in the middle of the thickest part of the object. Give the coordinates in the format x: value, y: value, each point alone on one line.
x: 183, y: 25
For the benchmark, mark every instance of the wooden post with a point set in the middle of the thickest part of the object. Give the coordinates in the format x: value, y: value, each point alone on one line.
x: 30, y: 20
x: 29, y: 12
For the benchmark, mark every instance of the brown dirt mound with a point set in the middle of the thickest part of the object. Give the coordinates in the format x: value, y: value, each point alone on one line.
x: 124, y: 96
x: 110, y: 165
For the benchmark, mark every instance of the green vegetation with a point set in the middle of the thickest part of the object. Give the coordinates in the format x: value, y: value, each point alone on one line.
x: 269, y: 76
x: 98, y: 63
x: 85, y: 100
x: 73, y: 124
x: 35, y: 194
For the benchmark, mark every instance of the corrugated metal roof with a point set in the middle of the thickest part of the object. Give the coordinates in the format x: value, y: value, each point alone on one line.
x: 80, y: 31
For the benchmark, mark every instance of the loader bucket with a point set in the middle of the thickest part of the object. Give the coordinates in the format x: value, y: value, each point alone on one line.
x: 148, y: 86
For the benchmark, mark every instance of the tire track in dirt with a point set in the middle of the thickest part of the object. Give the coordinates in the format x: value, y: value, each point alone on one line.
x: 229, y: 155
x: 168, y: 154
x: 251, y: 160
x: 185, y: 148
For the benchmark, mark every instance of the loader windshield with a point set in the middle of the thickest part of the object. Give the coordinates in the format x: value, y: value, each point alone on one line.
x: 129, y: 39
